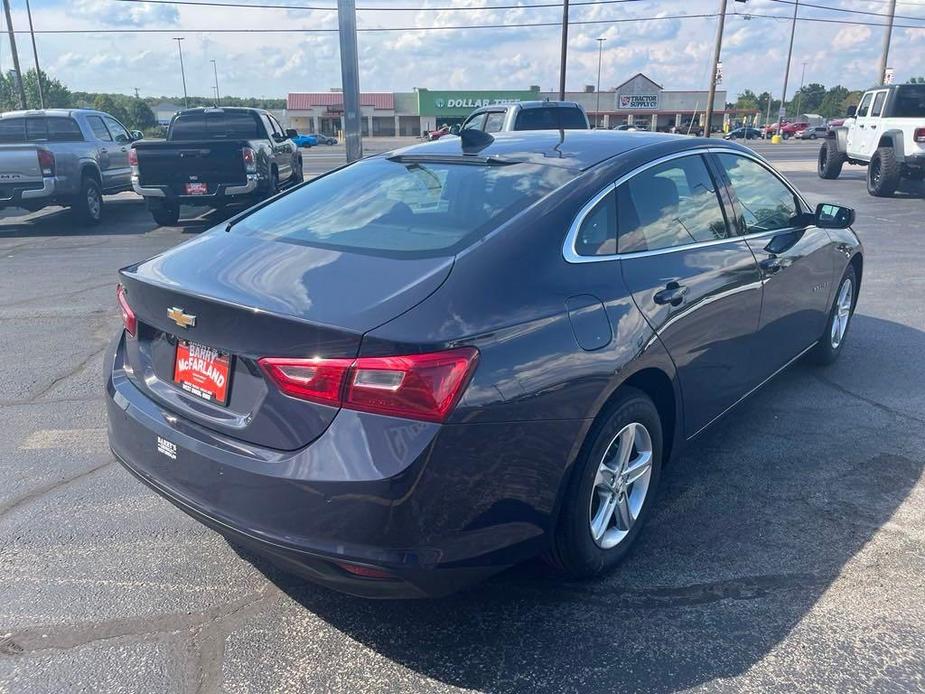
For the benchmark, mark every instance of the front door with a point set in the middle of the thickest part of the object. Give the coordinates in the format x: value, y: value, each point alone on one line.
x: 106, y: 150
x: 795, y: 259
x: 857, y: 135
x: 697, y: 284
x: 119, y: 168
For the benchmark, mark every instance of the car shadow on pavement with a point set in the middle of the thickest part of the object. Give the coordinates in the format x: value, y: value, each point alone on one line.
x: 121, y: 216
x: 756, y: 521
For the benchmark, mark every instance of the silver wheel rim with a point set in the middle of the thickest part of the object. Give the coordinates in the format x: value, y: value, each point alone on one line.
x: 842, y: 313
x: 620, y: 485
x: 93, y: 202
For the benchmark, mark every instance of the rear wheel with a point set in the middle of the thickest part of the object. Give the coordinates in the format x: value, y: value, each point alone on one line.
x: 166, y: 215
x: 272, y: 185
x: 296, y: 177
x: 830, y: 160
x: 611, y: 489
x: 830, y: 344
x: 883, y: 173
x: 88, y: 205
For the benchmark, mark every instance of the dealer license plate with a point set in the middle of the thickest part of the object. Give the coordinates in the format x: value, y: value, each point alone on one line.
x: 202, y: 371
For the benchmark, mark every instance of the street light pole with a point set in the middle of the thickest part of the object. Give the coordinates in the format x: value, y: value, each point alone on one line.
x: 35, y: 52
x: 711, y: 94
x: 885, y: 53
x: 178, y: 39
x: 350, y: 77
x: 9, y: 28
x: 600, y: 49
x: 800, y: 93
x: 783, y: 96
x: 218, y: 98
x: 564, y: 50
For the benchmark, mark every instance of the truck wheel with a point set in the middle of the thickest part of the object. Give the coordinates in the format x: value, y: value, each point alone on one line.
x: 272, y: 185
x: 830, y: 160
x: 88, y: 205
x: 296, y: 177
x: 166, y: 216
x: 883, y: 173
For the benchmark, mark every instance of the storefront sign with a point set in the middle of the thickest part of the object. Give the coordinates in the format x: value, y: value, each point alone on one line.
x: 637, y: 102
x: 457, y: 104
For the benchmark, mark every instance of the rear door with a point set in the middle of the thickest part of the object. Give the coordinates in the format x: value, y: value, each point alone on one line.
x: 795, y: 260
x: 697, y: 284
x: 121, y: 171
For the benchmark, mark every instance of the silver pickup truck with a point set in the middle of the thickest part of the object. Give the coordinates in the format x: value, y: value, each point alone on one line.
x: 69, y: 157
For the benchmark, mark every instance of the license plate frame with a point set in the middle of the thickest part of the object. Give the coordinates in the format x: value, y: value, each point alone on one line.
x: 203, y: 372
x: 199, y: 188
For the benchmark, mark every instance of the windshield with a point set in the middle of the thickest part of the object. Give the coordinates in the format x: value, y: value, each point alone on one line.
x: 909, y: 101
x: 214, y: 125
x: 407, y: 208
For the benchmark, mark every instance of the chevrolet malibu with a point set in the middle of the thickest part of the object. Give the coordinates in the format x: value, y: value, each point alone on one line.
x: 429, y: 365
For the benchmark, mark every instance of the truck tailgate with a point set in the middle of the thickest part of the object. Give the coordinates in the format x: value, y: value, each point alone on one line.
x: 174, y: 164
x: 19, y: 164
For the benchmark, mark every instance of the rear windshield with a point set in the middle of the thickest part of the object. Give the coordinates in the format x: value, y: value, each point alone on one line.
x: 407, y: 209
x: 215, y: 125
x: 553, y: 118
x: 909, y: 101
x: 39, y: 129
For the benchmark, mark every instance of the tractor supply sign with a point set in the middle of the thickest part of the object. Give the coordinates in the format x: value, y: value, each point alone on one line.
x: 637, y: 102
x: 459, y: 104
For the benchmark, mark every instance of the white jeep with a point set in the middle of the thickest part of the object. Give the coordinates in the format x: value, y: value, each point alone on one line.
x: 886, y: 134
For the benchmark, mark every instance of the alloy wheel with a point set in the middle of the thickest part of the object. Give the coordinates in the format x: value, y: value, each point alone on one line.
x: 94, y: 204
x: 842, y: 312
x: 620, y: 485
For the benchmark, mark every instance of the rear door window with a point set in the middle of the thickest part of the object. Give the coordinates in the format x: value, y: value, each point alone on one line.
x: 671, y: 204
x: 763, y: 202
x: 63, y: 130
x: 877, y: 108
x: 99, y: 128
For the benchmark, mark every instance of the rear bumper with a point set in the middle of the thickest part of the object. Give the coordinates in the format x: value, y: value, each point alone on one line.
x: 14, y: 194
x: 438, y: 507
x: 221, y: 195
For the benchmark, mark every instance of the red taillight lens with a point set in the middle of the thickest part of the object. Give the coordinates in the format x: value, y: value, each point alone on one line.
x: 365, y: 571
x: 46, y: 162
x: 133, y: 157
x: 128, y: 315
x: 318, y: 380
x: 416, y: 386
x: 250, y: 160
x: 920, y: 135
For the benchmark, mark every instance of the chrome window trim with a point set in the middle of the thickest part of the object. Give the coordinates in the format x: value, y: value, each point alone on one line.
x: 571, y: 255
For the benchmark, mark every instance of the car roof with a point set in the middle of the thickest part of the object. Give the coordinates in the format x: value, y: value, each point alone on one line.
x: 55, y: 112
x: 572, y: 149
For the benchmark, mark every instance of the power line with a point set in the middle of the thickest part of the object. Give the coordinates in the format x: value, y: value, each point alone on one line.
x: 843, y: 9
x: 459, y: 8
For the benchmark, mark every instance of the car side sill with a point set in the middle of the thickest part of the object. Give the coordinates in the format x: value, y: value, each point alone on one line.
x: 749, y: 393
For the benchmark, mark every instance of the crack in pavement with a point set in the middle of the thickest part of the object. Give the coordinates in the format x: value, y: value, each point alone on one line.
x: 61, y: 295
x: 58, y: 379
x: 41, y: 491
x: 870, y: 401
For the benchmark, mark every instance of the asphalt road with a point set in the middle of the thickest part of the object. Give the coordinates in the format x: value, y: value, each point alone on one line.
x: 787, y: 552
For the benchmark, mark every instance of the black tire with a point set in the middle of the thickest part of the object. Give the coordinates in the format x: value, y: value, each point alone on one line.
x: 166, y: 216
x: 87, y: 207
x: 573, y: 549
x: 883, y: 173
x: 827, y: 349
x: 296, y: 178
x: 830, y: 160
x: 272, y: 185
x: 812, y: 136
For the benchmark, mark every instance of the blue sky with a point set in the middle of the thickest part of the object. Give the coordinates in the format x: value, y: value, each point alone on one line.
x: 673, y: 51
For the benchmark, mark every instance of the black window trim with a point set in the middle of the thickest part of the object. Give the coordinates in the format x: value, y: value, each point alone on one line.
x: 570, y: 253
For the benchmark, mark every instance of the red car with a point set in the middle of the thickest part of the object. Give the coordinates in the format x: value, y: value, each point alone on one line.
x: 790, y: 129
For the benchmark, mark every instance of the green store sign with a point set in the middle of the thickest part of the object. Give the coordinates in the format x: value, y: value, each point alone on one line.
x: 462, y: 103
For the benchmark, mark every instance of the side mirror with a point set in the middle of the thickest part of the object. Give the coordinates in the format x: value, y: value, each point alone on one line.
x: 829, y: 216
x: 290, y: 132
x: 136, y: 135
x: 852, y: 111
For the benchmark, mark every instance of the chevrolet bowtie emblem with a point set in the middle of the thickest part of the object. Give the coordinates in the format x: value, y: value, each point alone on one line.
x: 184, y: 320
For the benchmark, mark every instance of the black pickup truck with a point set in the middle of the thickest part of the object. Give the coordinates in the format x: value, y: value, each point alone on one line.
x: 214, y: 157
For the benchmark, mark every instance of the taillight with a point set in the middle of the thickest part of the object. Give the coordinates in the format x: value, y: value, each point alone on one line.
x: 920, y: 135
x: 250, y: 160
x: 415, y: 386
x: 46, y: 162
x: 133, y: 157
x: 363, y: 571
x: 128, y: 315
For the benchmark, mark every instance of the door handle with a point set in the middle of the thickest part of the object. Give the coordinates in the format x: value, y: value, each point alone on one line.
x: 772, y: 264
x: 873, y: 127
x: 673, y: 294
x: 103, y: 150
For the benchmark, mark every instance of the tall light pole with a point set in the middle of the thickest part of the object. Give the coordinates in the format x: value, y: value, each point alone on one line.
x: 800, y: 93
x: 350, y: 77
x: 218, y: 98
x: 885, y: 52
x: 9, y: 28
x: 35, y: 52
x: 783, y: 95
x: 717, y: 49
x: 178, y: 39
x: 564, y: 50
x: 600, y: 51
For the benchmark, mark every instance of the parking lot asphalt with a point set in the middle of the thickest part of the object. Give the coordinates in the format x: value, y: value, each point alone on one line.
x: 786, y: 553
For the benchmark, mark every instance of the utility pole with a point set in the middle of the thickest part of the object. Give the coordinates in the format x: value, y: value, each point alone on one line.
x: 800, y: 93
x: 562, y: 59
x: 711, y: 94
x: 885, y: 52
x: 9, y: 28
x: 783, y: 96
x: 600, y: 48
x: 178, y: 39
x: 350, y: 77
x: 767, y: 120
x: 35, y: 52
x: 136, y: 93
x: 218, y: 98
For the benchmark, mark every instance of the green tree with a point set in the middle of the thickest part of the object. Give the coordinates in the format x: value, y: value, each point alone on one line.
x: 747, y: 101
x: 56, y: 94
x: 140, y: 115
x: 807, y: 100
x: 917, y: 80
x: 107, y: 104
x: 833, y: 103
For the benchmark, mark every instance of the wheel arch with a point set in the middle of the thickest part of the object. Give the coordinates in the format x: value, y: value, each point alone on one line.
x: 89, y: 168
x: 894, y: 140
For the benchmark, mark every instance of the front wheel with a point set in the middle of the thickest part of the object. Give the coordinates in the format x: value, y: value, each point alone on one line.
x: 830, y: 344
x: 830, y: 160
x: 611, y: 489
